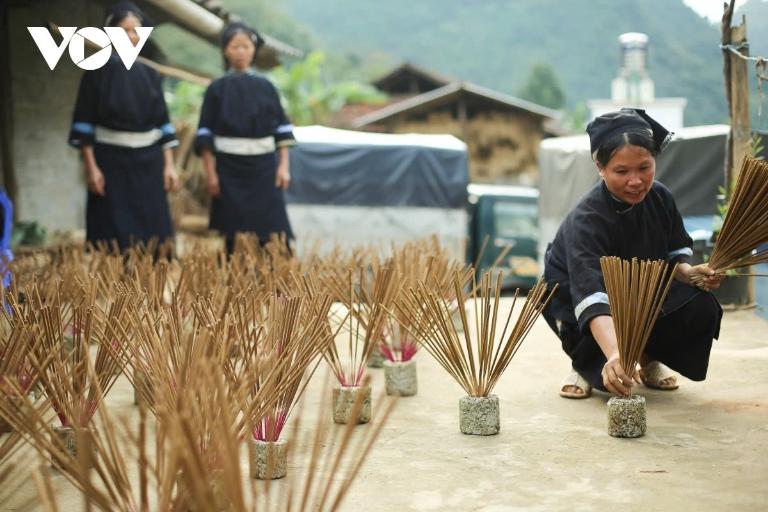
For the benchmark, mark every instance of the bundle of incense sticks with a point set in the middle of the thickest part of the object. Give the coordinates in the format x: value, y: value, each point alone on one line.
x: 745, y: 227
x: 63, y: 372
x: 366, y: 295
x: 196, y: 461
x: 414, y: 262
x: 83, y: 317
x: 283, y: 356
x: 477, y: 357
x: 636, y: 291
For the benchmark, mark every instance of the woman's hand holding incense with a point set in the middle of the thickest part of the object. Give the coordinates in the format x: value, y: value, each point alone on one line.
x: 701, y: 276
x: 615, y: 379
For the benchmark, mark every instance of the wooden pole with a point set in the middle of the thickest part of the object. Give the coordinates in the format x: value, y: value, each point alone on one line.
x: 737, y: 93
x: 741, y: 134
x: 736, y: 79
x: 725, y: 39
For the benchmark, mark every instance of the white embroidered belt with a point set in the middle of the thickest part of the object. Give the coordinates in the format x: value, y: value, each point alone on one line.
x: 244, y: 145
x: 127, y: 139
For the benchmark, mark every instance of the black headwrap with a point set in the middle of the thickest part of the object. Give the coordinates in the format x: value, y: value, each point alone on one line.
x: 626, y: 120
x: 118, y: 11
x: 237, y: 27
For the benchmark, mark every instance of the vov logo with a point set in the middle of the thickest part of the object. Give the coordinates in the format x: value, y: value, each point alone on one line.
x: 74, y: 39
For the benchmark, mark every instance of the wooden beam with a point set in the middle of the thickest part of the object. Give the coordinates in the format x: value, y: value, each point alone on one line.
x: 177, y: 73
x: 725, y: 39
x: 741, y: 134
x: 163, y: 69
x: 737, y: 94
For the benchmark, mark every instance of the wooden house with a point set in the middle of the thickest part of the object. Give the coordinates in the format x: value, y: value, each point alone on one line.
x: 502, y: 132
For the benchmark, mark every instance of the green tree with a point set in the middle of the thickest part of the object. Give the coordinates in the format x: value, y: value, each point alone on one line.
x: 311, y: 98
x: 543, y: 87
x: 575, y: 120
x: 184, y: 100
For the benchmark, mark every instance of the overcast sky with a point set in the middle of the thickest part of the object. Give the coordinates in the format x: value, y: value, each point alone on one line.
x: 712, y: 9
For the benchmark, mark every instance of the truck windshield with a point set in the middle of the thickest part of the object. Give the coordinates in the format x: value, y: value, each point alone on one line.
x: 515, y: 220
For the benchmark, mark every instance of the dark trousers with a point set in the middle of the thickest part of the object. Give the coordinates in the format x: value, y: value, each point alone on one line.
x: 681, y: 340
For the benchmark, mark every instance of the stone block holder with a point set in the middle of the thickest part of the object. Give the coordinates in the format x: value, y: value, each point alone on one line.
x: 479, y: 415
x: 626, y: 416
x: 400, y: 378
x: 344, y: 402
x: 269, y: 460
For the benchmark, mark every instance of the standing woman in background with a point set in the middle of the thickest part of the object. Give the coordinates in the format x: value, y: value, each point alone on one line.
x: 122, y: 128
x: 243, y: 138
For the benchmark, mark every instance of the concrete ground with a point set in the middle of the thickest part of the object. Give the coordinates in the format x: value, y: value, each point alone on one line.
x: 706, y: 447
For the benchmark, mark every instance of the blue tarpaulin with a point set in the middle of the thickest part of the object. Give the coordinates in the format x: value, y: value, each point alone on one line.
x: 342, y: 167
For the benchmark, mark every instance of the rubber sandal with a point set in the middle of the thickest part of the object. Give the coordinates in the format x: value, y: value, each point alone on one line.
x: 653, y: 373
x: 574, y: 379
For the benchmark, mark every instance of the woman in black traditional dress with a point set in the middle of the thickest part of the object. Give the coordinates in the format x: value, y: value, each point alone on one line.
x: 627, y: 214
x: 122, y: 128
x: 243, y: 138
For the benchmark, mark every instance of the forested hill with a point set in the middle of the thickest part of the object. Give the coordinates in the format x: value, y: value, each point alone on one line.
x: 757, y: 25
x: 496, y: 42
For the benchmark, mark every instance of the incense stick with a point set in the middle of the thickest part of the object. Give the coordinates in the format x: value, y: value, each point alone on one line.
x: 478, y: 360
x: 745, y: 227
x: 636, y: 292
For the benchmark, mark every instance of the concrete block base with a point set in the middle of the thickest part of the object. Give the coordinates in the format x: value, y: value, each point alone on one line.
x: 344, y: 401
x: 479, y: 415
x: 269, y: 460
x: 400, y: 378
x: 626, y: 416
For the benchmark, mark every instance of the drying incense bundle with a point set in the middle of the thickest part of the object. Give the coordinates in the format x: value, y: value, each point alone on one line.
x: 166, y: 345
x: 196, y: 465
x: 414, y: 262
x: 366, y: 296
x: 72, y: 390
x: 477, y: 357
x: 15, y: 349
x: 636, y: 291
x: 334, y: 460
x: 745, y: 227
x: 290, y: 343
x: 99, y: 469
x: 17, y: 379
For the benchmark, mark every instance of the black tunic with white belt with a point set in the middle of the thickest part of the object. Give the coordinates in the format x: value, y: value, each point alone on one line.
x: 243, y: 123
x: 601, y: 225
x: 123, y: 115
